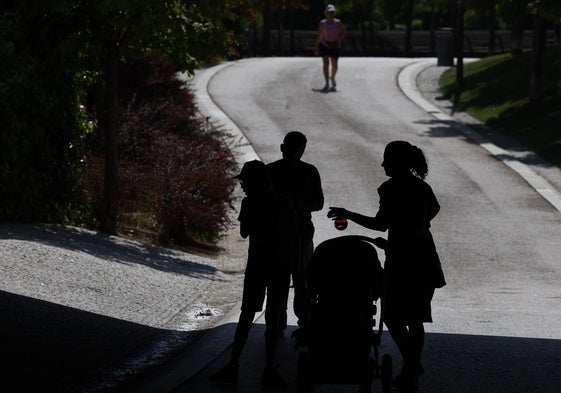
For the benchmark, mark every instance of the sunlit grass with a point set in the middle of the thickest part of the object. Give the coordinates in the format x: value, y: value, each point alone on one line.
x: 497, y: 90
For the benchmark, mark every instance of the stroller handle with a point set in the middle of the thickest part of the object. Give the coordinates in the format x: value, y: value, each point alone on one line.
x: 379, y: 242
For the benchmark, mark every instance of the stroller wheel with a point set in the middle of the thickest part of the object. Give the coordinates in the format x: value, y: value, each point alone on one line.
x: 387, y: 373
x: 303, y: 378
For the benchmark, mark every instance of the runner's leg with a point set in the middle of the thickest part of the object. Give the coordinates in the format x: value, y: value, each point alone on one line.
x: 334, y: 67
x: 326, y: 71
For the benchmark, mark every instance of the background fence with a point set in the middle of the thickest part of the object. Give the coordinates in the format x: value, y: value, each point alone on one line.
x: 477, y: 43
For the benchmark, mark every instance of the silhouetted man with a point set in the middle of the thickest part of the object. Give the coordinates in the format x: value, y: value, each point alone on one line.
x: 301, y: 183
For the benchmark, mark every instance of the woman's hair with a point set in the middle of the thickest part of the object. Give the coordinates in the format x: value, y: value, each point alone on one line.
x: 410, y: 156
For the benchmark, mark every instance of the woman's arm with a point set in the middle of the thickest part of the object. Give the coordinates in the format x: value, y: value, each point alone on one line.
x: 368, y: 222
x: 342, y: 32
x: 318, y: 38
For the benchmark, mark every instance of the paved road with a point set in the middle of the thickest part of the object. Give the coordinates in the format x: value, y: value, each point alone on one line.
x: 497, y: 322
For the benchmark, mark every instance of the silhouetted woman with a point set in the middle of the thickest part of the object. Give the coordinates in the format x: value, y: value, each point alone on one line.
x: 413, y: 271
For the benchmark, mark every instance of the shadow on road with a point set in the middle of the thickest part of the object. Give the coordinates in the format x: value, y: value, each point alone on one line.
x: 52, y: 348
x: 481, y: 364
x: 453, y: 363
x: 447, y: 129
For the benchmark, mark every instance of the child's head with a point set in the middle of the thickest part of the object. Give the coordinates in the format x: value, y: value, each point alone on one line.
x: 254, y: 178
x: 402, y: 158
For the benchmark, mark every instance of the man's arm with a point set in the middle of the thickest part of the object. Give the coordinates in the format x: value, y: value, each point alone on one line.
x: 314, y: 200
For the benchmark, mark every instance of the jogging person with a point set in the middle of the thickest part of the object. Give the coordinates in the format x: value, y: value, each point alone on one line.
x: 331, y: 32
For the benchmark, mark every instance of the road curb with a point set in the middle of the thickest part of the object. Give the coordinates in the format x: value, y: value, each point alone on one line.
x: 240, y: 145
x: 406, y: 81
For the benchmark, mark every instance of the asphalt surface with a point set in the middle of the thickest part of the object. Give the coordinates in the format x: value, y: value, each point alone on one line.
x: 496, y: 323
x: 84, y: 312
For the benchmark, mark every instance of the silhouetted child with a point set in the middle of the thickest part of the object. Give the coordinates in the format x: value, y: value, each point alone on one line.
x: 269, y: 221
x: 413, y: 270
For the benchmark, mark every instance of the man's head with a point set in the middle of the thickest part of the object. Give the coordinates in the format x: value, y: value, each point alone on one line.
x: 293, y: 145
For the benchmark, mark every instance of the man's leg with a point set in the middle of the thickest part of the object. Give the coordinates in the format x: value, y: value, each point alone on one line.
x: 283, y: 317
x: 272, y: 319
x: 300, y: 279
x: 229, y: 373
x: 276, y: 306
x: 241, y: 335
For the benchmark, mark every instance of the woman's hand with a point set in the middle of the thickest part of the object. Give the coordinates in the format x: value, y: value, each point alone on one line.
x: 368, y: 222
x: 381, y: 243
x: 337, y: 212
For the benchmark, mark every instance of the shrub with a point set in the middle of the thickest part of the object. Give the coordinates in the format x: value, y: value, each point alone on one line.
x: 175, y: 169
x: 196, y: 190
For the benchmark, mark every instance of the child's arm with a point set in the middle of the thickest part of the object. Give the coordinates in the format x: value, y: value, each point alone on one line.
x: 244, y: 231
x: 243, y: 218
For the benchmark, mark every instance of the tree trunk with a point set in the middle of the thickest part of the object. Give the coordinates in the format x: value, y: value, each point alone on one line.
x: 363, y: 38
x: 291, y: 22
x: 459, y: 51
x: 281, y: 27
x: 267, y: 28
x: 108, y: 217
x: 408, y: 21
x: 536, y: 88
x: 492, y: 17
x: 433, y: 22
x: 517, y: 35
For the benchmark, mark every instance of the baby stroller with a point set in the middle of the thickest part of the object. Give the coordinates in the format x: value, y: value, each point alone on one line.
x: 345, y: 281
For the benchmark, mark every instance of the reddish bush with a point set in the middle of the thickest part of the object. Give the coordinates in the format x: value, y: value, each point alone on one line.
x: 196, y: 185
x: 173, y: 165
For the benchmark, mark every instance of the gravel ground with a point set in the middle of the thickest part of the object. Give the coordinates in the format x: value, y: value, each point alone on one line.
x: 84, y: 312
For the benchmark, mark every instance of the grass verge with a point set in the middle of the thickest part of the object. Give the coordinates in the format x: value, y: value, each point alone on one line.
x: 497, y: 90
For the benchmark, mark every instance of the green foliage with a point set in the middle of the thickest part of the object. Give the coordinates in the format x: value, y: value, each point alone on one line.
x: 549, y: 9
x: 55, y: 58
x: 41, y: 144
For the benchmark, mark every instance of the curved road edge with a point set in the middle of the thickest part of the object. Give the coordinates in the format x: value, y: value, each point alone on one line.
x: 407, y: 82
x: 241, y: 147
